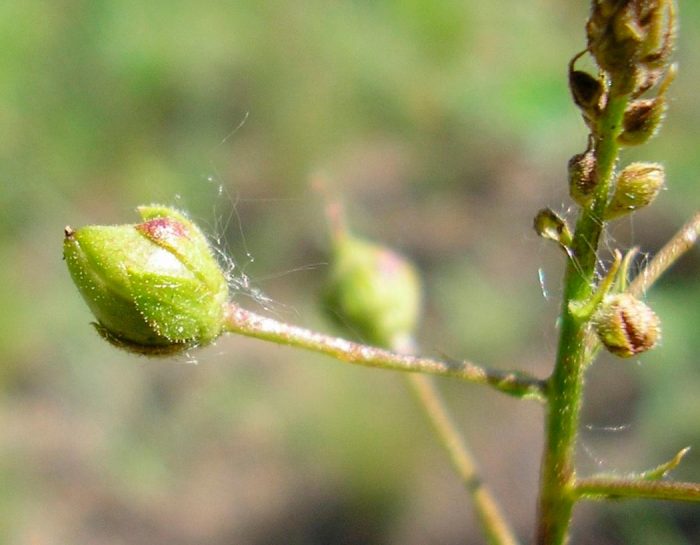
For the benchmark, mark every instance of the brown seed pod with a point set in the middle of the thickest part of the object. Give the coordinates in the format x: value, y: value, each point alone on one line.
x: 626, y: 326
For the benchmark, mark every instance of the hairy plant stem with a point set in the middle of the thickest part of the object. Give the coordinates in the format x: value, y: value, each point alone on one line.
x: 565, y: 385
x: 680, y: 243
x: 495, y: 526
x: 244, y: 322
x: 601, y: 488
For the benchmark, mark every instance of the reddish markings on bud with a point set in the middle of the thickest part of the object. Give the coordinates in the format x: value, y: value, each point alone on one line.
x: 154, y: 288
x: 374, y: 291
x: 390, y: 263
x: 163, y: 230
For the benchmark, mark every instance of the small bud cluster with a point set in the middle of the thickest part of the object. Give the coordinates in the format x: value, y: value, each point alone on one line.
x: 623, y: 105
x: 631, y: 41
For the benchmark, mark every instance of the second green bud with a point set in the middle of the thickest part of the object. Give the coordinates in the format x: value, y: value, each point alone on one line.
x: 373, y: 291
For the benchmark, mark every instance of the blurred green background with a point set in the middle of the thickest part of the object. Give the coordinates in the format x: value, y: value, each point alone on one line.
x: 445, y: 125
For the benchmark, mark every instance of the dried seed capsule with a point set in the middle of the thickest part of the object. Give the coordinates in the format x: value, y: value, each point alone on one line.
x: 636, y: 187
x: 626, y: 326
x: 631, y: 35
x: 548, y: 224
x: 154, y: 287
x: 583, y: 178
x: 642, y: 121
x: 586, y: 90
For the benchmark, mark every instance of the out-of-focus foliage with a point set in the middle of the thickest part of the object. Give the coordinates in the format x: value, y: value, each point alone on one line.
x: 446, y: 125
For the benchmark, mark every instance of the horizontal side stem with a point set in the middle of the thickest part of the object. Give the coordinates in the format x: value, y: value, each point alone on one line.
x: 248, y: 323
x: 602, y: 488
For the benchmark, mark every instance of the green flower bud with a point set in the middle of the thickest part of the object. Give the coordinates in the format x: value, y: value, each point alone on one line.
x: 626, y: 326
x: 636, y: 187
x: 154, y: 287
x: 373, y: 291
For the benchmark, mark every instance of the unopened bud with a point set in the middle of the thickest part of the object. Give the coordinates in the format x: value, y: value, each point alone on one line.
x: 629, y: 36
x: 373, y: 291
x: 636, y: 187
x: 583, y: 177
x: 154, y: 287
x: 626, y: 326
x: 642, y: 121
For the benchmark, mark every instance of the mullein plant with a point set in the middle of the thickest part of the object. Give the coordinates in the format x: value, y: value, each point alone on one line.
x: 155, y: 287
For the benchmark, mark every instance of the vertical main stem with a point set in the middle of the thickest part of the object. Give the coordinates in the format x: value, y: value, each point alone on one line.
x: 565, y: 385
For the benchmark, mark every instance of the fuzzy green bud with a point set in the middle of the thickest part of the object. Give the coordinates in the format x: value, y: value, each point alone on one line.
x: 373, y: 291
x: 154, y: 287
x: 626, y: 326
x: 636, y: 187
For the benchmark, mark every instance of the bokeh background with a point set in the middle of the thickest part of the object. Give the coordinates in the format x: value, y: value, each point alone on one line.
x: 445, y: 125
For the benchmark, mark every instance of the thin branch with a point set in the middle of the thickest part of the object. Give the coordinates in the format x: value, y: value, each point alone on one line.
x: 496, y: 528
x: 248, y: 323
x: 602, y: 488
x: 679, y: 244
x: 661, y: 470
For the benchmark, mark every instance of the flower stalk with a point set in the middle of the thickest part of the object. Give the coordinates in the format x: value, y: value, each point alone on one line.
x: 602, y: 488
x: 375, y: 293
x: 244, y: 322
x: 493, y: 522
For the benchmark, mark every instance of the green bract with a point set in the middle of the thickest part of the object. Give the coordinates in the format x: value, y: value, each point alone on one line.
x: 154, y: 287
x: 373, y: 291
